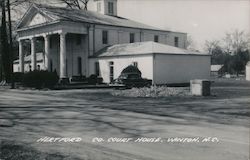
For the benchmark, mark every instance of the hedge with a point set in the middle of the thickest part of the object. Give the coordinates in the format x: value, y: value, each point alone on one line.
x: 40, y: 79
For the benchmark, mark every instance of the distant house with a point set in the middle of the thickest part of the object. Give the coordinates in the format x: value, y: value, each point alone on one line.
x: 80, y: 42
x: 248, y: 71
x: 217, y: 70
x: 27, y: 63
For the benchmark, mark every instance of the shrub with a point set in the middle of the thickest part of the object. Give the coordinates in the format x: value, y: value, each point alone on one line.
x: 94, y: 79
x: 80, y: 78
x: 18, y: 76
x: 153, y: 91
x: 40, y: 79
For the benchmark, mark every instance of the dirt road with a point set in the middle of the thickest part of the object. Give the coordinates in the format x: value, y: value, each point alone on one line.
x: 220, y: 123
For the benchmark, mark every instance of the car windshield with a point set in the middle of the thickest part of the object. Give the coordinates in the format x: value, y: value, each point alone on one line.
x: 133, y: 76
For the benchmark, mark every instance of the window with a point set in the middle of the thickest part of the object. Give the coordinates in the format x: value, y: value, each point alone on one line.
x: 176, y: 41
x: 79, y: 65
x: 99, y: 7
x: 38, y: 67
x: 51, y: 66
x: 156, y: 38
x: 135, y: 64
x: 104, y: 37
x: 111, y: 71
x: 132, y: 38
x: 97, y: 68
x: 78, y: 39
x: 66, y: 66
x: 111, y: 8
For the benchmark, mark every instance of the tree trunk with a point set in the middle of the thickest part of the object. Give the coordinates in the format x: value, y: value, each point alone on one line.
x: 5, y: 45
x: 10, y: 45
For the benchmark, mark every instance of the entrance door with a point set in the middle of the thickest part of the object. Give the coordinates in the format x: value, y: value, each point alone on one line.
x: 79, y: 65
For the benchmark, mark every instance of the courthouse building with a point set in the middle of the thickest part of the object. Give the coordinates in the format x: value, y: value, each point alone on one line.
x: 80, y: 42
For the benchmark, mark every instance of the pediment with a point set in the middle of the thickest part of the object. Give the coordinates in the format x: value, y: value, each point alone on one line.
x: 37, y: 19
x: 33, y: 17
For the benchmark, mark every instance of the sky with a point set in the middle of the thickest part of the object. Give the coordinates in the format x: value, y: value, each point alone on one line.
x: 201, y: 19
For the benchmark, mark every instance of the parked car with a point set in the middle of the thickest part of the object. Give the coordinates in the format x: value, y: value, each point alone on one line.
x: 130, y: 80
x: 92, y: 79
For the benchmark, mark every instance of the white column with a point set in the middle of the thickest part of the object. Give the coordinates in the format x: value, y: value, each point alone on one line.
x: 90, y: 41
x: 63, y: 73
x: 47, y: 51
x: 33, y: 53
x: 21, y: 57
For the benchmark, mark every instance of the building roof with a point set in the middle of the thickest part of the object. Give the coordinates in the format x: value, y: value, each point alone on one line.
x: 39, y: 58
x: 142, y: 48
x: 216, y: 68
x: 76, y: 15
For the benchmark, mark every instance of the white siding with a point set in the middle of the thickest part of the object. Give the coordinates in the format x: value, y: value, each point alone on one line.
x: 120, y: 35
x: 180, y: 68
x: 116, y: 35
x: 248, y: 72
x: 145, y: 65
x: 181, y: 36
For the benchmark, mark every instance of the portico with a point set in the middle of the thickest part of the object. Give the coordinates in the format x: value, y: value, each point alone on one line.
x: 62, y: 30
x: 74, y: 40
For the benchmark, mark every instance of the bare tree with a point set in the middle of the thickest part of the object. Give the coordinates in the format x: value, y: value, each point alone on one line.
x: 236, y: 41
x: 76, y: 3
x: 191, y: 44
x: 210, y: 46
x: 1, y: 64
x: 85, y: 2
x: 5, y: 57
x: 232, y: 51
x: 215, y: 50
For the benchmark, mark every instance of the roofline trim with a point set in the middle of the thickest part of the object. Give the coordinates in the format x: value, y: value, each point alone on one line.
x: 149, y: 54
x: 189, y: 54
x: 23, y: 17
x: 58, y: 21
x: 27, y: 61
x: 37, y: 26
x: 161, y: 30
x: 28, y: 12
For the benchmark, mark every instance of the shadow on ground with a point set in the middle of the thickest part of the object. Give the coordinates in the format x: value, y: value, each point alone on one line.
x: 10, y: 150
